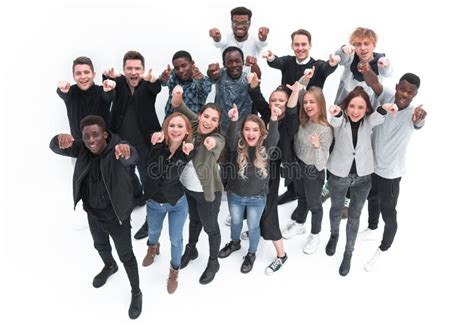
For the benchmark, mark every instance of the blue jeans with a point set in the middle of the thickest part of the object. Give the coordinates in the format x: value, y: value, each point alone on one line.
x: 359, y: 187
x: 255, y: 206
x: 177, y: 214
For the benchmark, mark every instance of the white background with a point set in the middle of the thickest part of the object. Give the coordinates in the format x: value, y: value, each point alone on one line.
x: 47, y: 267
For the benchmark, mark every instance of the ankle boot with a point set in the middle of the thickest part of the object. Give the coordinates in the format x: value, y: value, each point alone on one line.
x: 332, y: 244
x: 142, y: 232
x: 190, y: 253
x: 153, y: 250
x: 135, y: 308
x: 172, y: 280
x: 346, y: 264
x: 210, y: 271
x: 101, y: 278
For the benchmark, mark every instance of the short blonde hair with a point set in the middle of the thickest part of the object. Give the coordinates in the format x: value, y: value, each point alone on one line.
x: 362, y: 33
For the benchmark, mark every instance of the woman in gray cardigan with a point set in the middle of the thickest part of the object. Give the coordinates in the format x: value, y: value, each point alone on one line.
x: 351, y: 164
x: 202, y: 182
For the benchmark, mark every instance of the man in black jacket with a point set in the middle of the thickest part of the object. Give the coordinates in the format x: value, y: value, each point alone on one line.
x: 102, y: 180
x: 133, y: 116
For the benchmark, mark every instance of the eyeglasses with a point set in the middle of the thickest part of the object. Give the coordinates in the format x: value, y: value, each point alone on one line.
x: 243, y: 23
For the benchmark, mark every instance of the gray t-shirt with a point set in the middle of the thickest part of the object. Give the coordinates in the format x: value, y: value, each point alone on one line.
x: 390, y: 139
x: 304, y: 148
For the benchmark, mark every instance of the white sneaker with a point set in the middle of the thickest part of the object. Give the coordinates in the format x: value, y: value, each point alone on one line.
x: 228, y: 220
x: 312, y: 244
x: 244, y: 235
x: 371, y: 264
x: 367, y: 234
x: 291, y: 222
x: 292, y: 230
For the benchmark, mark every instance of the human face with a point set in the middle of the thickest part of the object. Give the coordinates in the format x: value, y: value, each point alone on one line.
x: 177, y: 130
x: 404, y: 94
x: 234, y: 64
x: 357, y: 109
x: 310, y: 106
x: 240, y: 26
x: 301, y: 46
x: 94, y: 138
x: 251, y: 133
x: 279, y: 99
x: 183, y: 68
x: 364, y: 48
x: 83, y: 76
x: 133, y: 70
x: 208, y: 121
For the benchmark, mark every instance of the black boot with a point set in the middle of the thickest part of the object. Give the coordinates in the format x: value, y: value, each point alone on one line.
x: 101, y: 278
x: 190, y: 253
x: 247, y: 265
x: 135, y: 308
x: 210, y: 271
x: 346, y: 264
x: 229, y: 248
x: 142, y: 232
x: 332, y: 244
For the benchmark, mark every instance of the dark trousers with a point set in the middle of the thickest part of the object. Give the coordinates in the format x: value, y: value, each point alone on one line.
x: 383, y: 198
x: 142, y: 165
x: 269, y: 224
x: 120, y: 233
x: 203, y: 214
x: 308, y: 189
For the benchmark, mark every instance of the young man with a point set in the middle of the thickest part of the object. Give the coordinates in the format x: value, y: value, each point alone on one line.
x: 102, y: 181
x: 85, y: 98
x: 195, y: 85
x: 231, y: 84
x: 240, y: 37
x: 292, y: 69
x: 134, y: 117
x: 390, y: 142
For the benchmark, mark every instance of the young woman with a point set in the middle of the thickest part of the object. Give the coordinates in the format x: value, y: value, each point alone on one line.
x: 287, y: 127
x: 165, y: 194
x: 202, y: 182
x: 312, y: 144
x: 351, y: 164
x: 247, y: 188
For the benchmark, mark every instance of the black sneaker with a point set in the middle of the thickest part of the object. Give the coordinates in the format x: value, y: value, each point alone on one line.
x: 142, y: 232
x: 247, y: 265
x: 101, y: 278
x: 276, y: 265
x: 190, y: 253
x: 135, y: 308
x: 230, y: 247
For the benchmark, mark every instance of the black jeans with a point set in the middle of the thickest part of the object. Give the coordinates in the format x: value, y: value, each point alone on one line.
x: 100, y: 231
x: 308, y: 189
x: 203, y: 214
x: 142, y: 165
x: 383, y: 198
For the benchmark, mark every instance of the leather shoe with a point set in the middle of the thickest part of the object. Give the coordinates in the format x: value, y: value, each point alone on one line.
x: 345, y: 265
x: 247, y: 265
x: 190, y: 253
x: 135, y: 308
x: 142, y: 232
x: 229, y: 248
x: 332, y: 244
x: 210, y: 271
x: 101, y: 278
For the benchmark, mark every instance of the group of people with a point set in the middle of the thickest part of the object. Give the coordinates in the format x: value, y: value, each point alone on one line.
x: 240, y: 144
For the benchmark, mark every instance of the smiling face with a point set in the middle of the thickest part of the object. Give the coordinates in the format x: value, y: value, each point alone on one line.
x: 183, y: 68
x: 177, y: 130
x: 234, y: 64
x: 83, y: 76
x: 364, y: 49
x: 405, y: 92
x: 240, y: 27
x: 208, y: 121
x: 133, y: 70
x: 301, y: 46
x: 251, y: 133
x: 94, y: 138
x: 310, y: 105
x: 356, y: 109
x: 279, y: 98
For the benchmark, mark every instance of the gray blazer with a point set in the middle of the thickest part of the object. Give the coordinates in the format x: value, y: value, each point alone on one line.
x: 343, y: 153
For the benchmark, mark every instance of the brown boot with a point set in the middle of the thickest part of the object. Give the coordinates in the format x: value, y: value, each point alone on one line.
x: 172, y: 280
x: 150, y: 254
